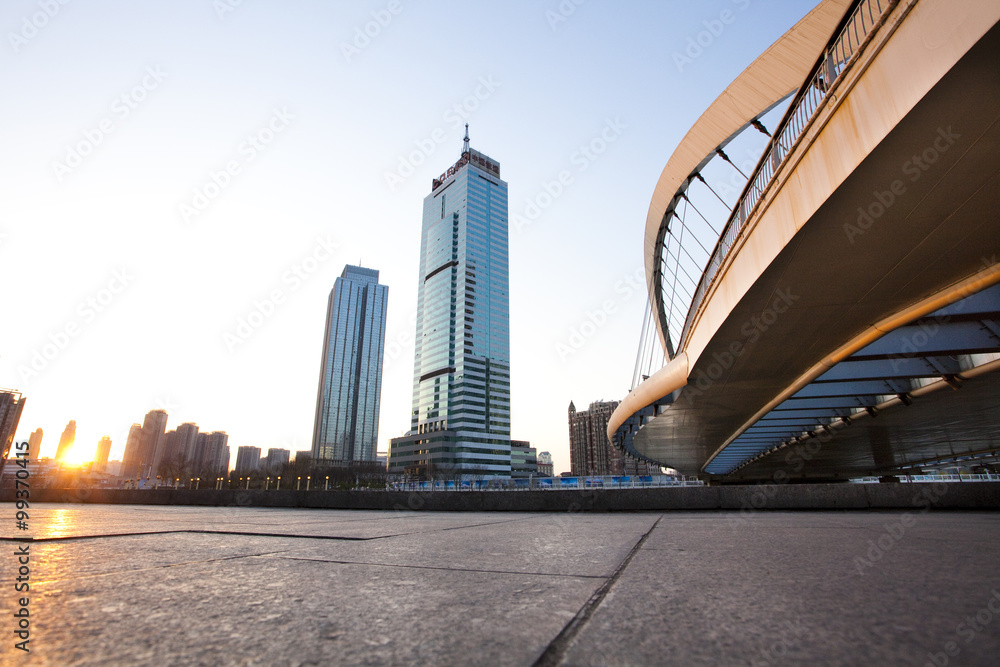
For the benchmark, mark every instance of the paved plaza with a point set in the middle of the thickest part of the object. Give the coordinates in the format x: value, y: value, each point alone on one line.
x: 145, y: 585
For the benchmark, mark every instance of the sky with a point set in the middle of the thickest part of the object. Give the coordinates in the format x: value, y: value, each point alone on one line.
x: 181, y: 183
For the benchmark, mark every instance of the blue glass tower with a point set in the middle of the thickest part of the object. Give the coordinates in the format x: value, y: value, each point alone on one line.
x: 350, y: 379
x: 460, y: 419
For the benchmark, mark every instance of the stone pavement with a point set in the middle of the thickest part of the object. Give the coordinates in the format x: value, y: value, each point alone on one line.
x: 145, y: 585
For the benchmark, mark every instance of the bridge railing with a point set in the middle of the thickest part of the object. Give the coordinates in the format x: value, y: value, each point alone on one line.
x: 865, y: 18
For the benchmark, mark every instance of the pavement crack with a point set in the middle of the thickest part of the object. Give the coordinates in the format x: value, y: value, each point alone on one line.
x: 556, y: 650
x: 446, y: 569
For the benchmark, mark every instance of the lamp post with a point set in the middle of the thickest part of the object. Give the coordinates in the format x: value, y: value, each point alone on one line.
x: 197, y: 482
x: 327, y: 487
x: 267, y: 483
x: 298, y: 483
x: 278, y: 487
x: 308, y: 480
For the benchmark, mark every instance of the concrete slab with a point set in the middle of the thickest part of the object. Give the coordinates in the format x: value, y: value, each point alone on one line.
x: 275, y: 611
x: 566, y: 544
x: 794, y: 588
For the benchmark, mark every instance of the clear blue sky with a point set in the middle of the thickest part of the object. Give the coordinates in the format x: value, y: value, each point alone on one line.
x: 169, y: 168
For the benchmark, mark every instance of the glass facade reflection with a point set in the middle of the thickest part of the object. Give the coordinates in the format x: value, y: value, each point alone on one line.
x: 460, y: 419
x: 350, y: 380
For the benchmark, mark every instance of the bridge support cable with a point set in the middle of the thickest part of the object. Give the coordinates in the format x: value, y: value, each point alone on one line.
x: 712, y: 190
x: 642, y: 341
x: 702, y: 216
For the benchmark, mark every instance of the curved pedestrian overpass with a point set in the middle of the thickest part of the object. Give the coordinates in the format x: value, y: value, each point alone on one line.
x: 837, y: 317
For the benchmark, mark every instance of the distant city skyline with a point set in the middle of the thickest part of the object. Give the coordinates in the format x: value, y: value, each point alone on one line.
x: 207, y: 177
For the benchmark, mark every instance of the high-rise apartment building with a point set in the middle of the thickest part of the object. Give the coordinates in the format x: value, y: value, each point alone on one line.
x: 35, y: 444
x: 131, y: 458
x: 211, y: 454
x: 144, y: 453
x: 460, y: 419
x: 590, y: 451
x: 66, y: 441
x: 247, y: 459
x: 103, y: 450
x: 350, y: 378
x: 276, y: 460
x: 187, y: 440
x: 154, y: 430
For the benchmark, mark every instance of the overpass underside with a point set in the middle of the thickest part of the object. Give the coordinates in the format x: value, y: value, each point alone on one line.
x: 900, y: 240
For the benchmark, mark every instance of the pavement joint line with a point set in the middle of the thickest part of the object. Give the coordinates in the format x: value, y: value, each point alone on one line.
x: 446, y: 569
x: 556, y: 650
x: 65, y: 538
x: 157, y: 567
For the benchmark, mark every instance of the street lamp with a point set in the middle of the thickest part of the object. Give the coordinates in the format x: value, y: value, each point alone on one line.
x: 327, y: 487
x: 308, y: 479
x: 278, y: 487
x: 298, y: 483
x: 197, y: 482
x: 267, y: 483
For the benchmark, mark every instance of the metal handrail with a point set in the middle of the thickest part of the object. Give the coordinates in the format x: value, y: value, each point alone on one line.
x: 867, y: 16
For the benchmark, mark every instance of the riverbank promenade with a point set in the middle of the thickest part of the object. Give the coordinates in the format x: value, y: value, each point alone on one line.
x: 145, y: 585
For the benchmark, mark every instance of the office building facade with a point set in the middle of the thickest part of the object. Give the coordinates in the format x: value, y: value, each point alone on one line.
x: 460, y: 418
x: 350, y: 381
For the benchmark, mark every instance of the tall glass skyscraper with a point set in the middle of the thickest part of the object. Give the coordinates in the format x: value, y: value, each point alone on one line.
x: 350, y: 380
x: 460, y: 423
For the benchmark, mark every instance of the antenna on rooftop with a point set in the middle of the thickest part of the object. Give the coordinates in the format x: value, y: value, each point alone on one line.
x: 465, y: 146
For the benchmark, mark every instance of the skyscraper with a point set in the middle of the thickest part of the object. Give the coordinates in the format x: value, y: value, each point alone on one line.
x: 460, y: 419
x: 103, y: 449
x: 350, y: 378
x: 66, y: 440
